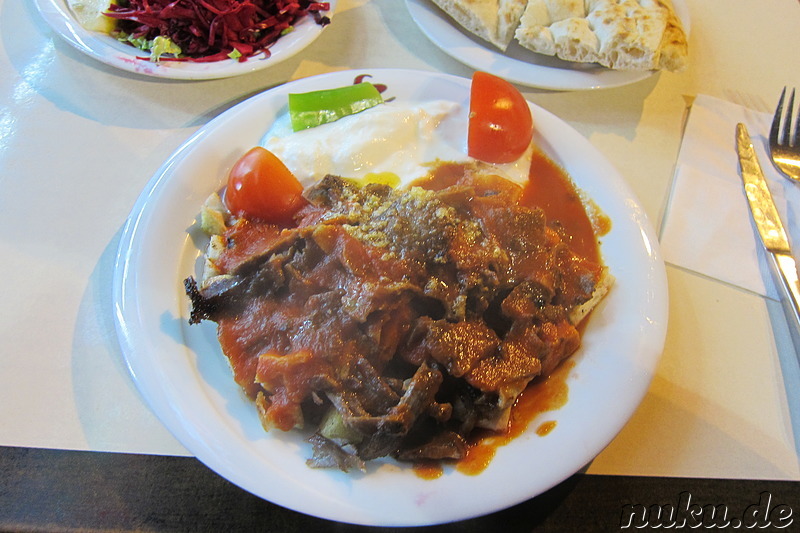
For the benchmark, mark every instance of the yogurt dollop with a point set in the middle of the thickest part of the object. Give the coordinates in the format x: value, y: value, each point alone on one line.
x: 389, y: 143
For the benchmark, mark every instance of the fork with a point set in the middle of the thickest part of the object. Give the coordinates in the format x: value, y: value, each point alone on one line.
x: 784, y: 145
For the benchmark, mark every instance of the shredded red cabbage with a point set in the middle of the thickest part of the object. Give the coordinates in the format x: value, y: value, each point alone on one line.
x: 213, y: 30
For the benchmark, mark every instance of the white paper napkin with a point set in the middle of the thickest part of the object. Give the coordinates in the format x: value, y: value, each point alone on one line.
x: 708, y: 227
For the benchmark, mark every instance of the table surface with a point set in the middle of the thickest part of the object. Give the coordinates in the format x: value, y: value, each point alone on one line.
x: 79, y: 140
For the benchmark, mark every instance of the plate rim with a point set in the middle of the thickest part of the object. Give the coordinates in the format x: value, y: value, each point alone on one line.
x: 125, y: 306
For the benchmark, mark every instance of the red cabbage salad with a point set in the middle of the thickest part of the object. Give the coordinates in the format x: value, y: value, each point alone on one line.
x: 209, y: 30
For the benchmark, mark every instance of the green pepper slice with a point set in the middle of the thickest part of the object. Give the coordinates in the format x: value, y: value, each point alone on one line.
x: 311, y: 109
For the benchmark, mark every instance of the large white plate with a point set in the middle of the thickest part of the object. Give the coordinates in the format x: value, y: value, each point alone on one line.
x: 107, y: 49
x: 518, y: 64
x: 185, y: 379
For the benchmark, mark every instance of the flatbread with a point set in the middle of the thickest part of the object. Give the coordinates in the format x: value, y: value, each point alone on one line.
x: 618, y: 34
x: 492, y: 20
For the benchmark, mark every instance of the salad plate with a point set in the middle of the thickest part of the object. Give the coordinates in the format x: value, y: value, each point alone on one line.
x: 518, y: 64
x: 185, y: 379
x: 107, y: 49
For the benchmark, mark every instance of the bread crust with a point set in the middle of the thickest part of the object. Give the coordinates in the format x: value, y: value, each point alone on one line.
x: 618, y: 34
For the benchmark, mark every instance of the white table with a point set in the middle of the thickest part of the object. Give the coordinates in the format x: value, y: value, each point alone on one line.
x: 79, y: 140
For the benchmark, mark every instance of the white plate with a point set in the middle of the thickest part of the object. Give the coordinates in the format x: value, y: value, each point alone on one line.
x: 518, y: 64
x: 107, y: 49
x: 185, y: 379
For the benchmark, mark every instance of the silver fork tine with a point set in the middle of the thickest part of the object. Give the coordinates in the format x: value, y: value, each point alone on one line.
x: 774, y: 132
x: 796, y: 138
x: 784, y: 140
x: 787, y: 121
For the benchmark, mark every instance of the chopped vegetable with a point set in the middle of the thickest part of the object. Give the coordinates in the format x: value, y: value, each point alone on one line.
x: 212, y: 215
x: 500, y: 122
x: 261, y: 187
x: 308, y: 110
x: 211, y: 30
x: 157, y: 47
x: 163, y: 45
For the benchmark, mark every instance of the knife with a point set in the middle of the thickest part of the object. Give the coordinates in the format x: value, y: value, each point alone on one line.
x: 769, y: 225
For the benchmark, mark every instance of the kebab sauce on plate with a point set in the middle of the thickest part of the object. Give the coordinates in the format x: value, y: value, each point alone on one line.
x: 422, y: 146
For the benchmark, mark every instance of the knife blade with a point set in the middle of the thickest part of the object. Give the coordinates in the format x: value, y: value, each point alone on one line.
x: 769, y: 225
x: 762, y: 206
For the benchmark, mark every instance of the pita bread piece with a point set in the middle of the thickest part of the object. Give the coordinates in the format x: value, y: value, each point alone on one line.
x: 492, y: 20
x: 618, y: 34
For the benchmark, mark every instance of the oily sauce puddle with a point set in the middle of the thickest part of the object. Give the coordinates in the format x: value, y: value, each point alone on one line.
x: 550, y: 189
x: 541, y: 396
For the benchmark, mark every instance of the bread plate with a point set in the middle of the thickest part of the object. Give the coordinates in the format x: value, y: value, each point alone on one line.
x: 518, y: 64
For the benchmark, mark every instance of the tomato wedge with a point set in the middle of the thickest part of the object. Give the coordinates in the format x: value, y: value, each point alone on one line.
x: 500, y: 122
x: 261, y: 187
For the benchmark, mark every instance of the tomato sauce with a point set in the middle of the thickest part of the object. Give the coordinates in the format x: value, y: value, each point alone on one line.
x: 551, y: 189
x: 541, y: 396
x: 548, y: 188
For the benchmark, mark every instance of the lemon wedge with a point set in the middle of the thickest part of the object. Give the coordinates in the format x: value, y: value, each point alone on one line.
x: 89, y: 14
